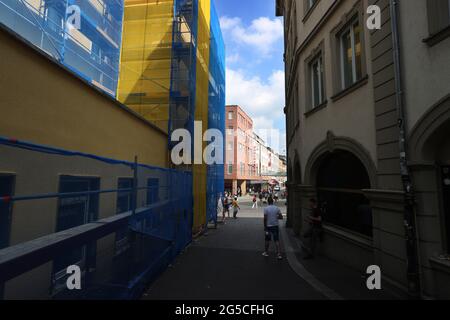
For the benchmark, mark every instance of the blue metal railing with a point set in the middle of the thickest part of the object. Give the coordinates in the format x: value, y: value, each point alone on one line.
x: 155, y: 230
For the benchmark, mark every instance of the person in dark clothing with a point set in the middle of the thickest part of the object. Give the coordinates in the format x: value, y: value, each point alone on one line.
x: 315, y: 228
x: 226, y: 208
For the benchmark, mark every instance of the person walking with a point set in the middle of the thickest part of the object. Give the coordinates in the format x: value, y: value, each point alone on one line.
x: 255, y: 202
x: 226, y: 208
x: 220, y: 207
x: 235, y: 207
x: 315, y: 228
x: 272, y: 214
x: 276, y: 197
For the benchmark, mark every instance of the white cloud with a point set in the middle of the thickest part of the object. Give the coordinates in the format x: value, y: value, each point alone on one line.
x: 262, y: 100
x: 227, y: 23
x: 232, y: 58
x: 258, y: 97
x: 262, y: 34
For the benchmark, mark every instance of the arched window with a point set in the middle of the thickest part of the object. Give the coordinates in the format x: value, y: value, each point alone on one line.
x: 341, y: 179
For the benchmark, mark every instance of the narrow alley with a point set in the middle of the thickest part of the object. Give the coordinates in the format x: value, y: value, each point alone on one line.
x: 229, y: 265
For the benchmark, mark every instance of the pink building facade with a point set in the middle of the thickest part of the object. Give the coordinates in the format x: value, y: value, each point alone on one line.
x: 240, y: 165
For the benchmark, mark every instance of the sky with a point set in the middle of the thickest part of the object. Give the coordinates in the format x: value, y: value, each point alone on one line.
x: 255, y: 70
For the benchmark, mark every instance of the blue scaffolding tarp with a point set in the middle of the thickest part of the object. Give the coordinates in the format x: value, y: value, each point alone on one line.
x: 85, y: 36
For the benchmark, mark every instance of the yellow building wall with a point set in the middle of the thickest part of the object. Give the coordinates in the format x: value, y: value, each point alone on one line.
x: 145, y: 68
x: 201, y: 107
x: 42, y: 103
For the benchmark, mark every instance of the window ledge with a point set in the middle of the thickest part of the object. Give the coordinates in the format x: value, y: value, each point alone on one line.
x: 358, y: 84
x: 356, y: 238
x: 438, y: 37
x: 316, y: 109
x: 440, y: 264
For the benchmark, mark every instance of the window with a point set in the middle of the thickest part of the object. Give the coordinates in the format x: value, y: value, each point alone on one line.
x: 124, y: 198
x: 308, y: 7
x: 438, y: 15
x: 311, y: 3
x: 242, y: 169
x: 230, y: 169
x: 348, y: 57
x: 446, y: 200
x: 230, y: 115
x: 6, y: 190
x: 74, y: 211
x: 123, y: 205
x: 341, y: 179
x: 317, y: 82
x: 351, y: 55
x: 230, y: 146
x: 438, y: 21
x: 152, y: 191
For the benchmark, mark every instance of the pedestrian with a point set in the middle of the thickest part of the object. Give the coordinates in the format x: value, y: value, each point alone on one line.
x: 314, y: 232
x: 272, y: 214
x: 260, y: 198
x: 236, y: 207
x: 226, y: 208
x: 255, y: 202
x: 220, y: 206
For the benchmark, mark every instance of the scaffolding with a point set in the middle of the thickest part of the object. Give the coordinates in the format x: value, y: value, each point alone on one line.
x: 91, y: 51
x: 121, y: 222
x: 172, y: 64
x: 216, y: 111
x: 183, y: 72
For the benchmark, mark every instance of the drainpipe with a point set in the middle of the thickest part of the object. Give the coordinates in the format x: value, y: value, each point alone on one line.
x: 412, y: 257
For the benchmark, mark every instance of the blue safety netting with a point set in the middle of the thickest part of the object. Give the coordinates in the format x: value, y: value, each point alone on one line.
x: 216, y: 112
x: 75, y: 188
x: 91, y: 51
x: 183, y: 68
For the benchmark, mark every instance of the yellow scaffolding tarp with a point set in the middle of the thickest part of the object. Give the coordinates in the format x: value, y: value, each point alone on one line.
x: 145, y: 69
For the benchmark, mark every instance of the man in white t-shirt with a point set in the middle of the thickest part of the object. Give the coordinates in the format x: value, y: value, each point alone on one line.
x: 272, y: 214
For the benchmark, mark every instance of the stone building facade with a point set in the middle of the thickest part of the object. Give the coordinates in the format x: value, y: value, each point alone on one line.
x: 353, y: 96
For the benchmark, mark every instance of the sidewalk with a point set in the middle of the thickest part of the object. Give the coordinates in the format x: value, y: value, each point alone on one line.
x: 340, y: 281
x: 227, y: 264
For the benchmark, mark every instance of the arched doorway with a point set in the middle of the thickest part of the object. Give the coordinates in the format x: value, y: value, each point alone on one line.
x: 437, y: 150
x: 340, y: 181
x: 430, y: 167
